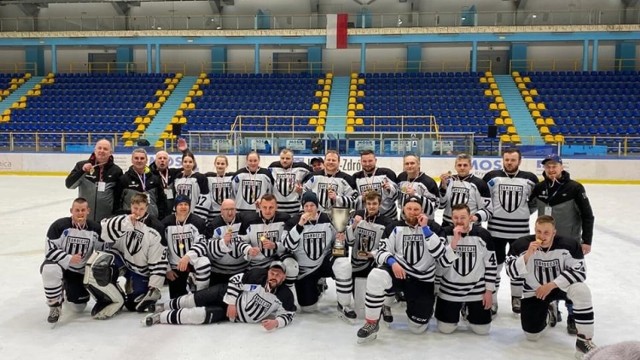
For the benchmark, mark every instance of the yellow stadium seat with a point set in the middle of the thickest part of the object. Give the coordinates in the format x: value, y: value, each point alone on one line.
x: 199, y: 93
x: 544, y: 130
x: 324, y: 100
x: 354, y: 75
x: 504, y: 114
x: 487, y: 92
x: 491, y: 80
x: 319, y: 128
x: 191, y: 93
x: 151, y: 113
x: 541, y: 106
x: 140, y: 128
x: 505, y: 138
x: 351, y: 121
x: 202, y: 75
x: 493, y: 106
x: 350, y: 129
x: 352, y: 100
x: 524, y: 92
x: 515, y: 139
x: 483, y: 79
x: 159, y: 144
x: 351, y: 113
x: 318, y: 93
x: 539, y: 122
x: 511, y: 130
x: 522, y: 86
x: 499, y: 99
x: 360, y: 81
x: 179, y: 113
x: 199, y: 81
x: 174, y: 81
x: 329, y: 76
x: 549, y: 122
x: 533, y: 92
x: 320, y: 81
x: 315, y: 106
x: 353, y: 82
x: 493, y: 86
x: 548, y: 138
x: 353, y: 87
x: 502, y: 106
x: 326, y: 88
x: 157, y: 105
x: 352, y: 107
x: 535, y: 114
x: 558, y: 138
x: 359, y: 106
x: 206, y: 81
x: 126, y: 135
x: 168, y: 128
x: 167, y: 81
x: 178, y: 76
x: 138, y: 120
x: 146, y: 120
x: 324, y: 106
x: 128, y: 143
x: 488, y: 73
x: 515, y: 73
x: 326, y: 93
x: 499, y: 122
x: 22, y: 105
x: 148, y: 106
x: 322, y: 121
x: 164, y: 135
x: 313, y: 121
x: 328, y: 82
x: 526, y: 79
x: 532, y: 106
x: 496, y: 92
x: 359, y: 121
x: 170, y: 87
x: 528, y: 99
x: 166, y: 93
x: 352, y: 93
x: 174, y: 120
x: 162, y: 99
x: 183, y: 120
x: 517, y: 80
x: 187, y: 99
x: 360, y: 93
x: 508, y: 121
x: 158, y: 93
x: 322, y: 113
x: 183, y: 106
x: 6, y: 118
x: 27, y: 76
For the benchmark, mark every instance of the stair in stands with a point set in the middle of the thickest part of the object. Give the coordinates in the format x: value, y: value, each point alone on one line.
x: 338, y: 102
x: 163, y: 118
x: 517, y: 108
x: 19, y: 92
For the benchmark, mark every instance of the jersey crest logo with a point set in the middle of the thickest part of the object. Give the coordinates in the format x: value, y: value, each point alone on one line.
x: 76, y: 245
x: 220, y: 191
x: 467, y: 258
x: 257, y: 307
x: 323, y: 193
x: 412, y: 248
x: 376, y: 186
x: 459, y: 195
x: 546, y: 270
x: 181, y: 243
x: 251, y: 190
x: 510, y: 196
x: 285, y: 183
x: 365, y: 239
x: 134, y: 242
x: 313, y: 244
x: 271, y: 235
x: 183, y: 189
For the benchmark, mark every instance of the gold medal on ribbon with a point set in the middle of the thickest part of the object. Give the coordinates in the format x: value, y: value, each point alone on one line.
x: 181, y: 246
x: 263, y: 239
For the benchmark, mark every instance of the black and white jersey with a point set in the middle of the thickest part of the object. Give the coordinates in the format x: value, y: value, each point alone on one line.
x: 474, y: 271
x: 341, y: 183
x: 284, y: 188
x: 563, y: 263
x: 224, y: 259
x: 510, y: 201
x: 365, y: 238
x: 256, y: 301
x: 250, y: 186
x: 414, y: 251
x: 425, y: 188
x: 375, y: 182
x: 196, y: 188
x: 310, y: 243
x: 255, y: 229
x: 182, y: 236
x: 140, y: 245
x: 220, y: 188
x: 64, y: 240
x: 470, y: 190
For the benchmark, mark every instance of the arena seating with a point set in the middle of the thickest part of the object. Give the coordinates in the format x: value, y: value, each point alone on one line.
x: 267, y: 102
x: 589, y: 108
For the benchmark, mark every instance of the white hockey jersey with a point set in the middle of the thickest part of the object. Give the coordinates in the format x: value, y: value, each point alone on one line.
x: 285, y: 185
x: 65, y: 240
x: 311, y: 243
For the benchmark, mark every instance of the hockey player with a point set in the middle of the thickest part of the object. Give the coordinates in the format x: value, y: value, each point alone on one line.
x: 250, y: 183
x: 566, y: 200
x: 380, y: 180
x: 140, y: 251
x: 310, y: 237
x: 139, y: 179
x: 334, y: 188
x: 413, y: 182
x: 407, y: 259
x: 256, y: 296
x: 464, y: 188
x: 193, y: 185
x: 469, y: 284
x: 510, y: 189
x: 221, y: 247
x: 183, y: 230
x: 70, y: 242
x: 220, y: 185
x: 364, y: 236
x: 97, y: 181
x: 552, y: 268
x: 288, y: 177
x: 264, y: 231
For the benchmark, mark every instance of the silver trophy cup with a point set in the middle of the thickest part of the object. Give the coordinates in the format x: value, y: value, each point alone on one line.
x: 340, y: 219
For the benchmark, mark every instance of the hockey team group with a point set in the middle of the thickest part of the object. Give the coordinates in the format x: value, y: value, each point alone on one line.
x: 256, y: 245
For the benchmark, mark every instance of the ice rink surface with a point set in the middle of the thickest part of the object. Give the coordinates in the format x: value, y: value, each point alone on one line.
x: 31, y: 204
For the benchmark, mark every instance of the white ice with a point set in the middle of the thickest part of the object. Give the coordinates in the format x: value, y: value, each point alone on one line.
x: 31, y: 204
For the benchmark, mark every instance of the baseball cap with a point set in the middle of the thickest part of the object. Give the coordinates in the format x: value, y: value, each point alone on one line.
x: 279, y: 265
x: 553, y: 158
x: 315, y: 159
x: 413, y: 198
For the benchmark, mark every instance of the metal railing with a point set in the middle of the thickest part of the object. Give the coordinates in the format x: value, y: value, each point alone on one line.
x: 318, y: 21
